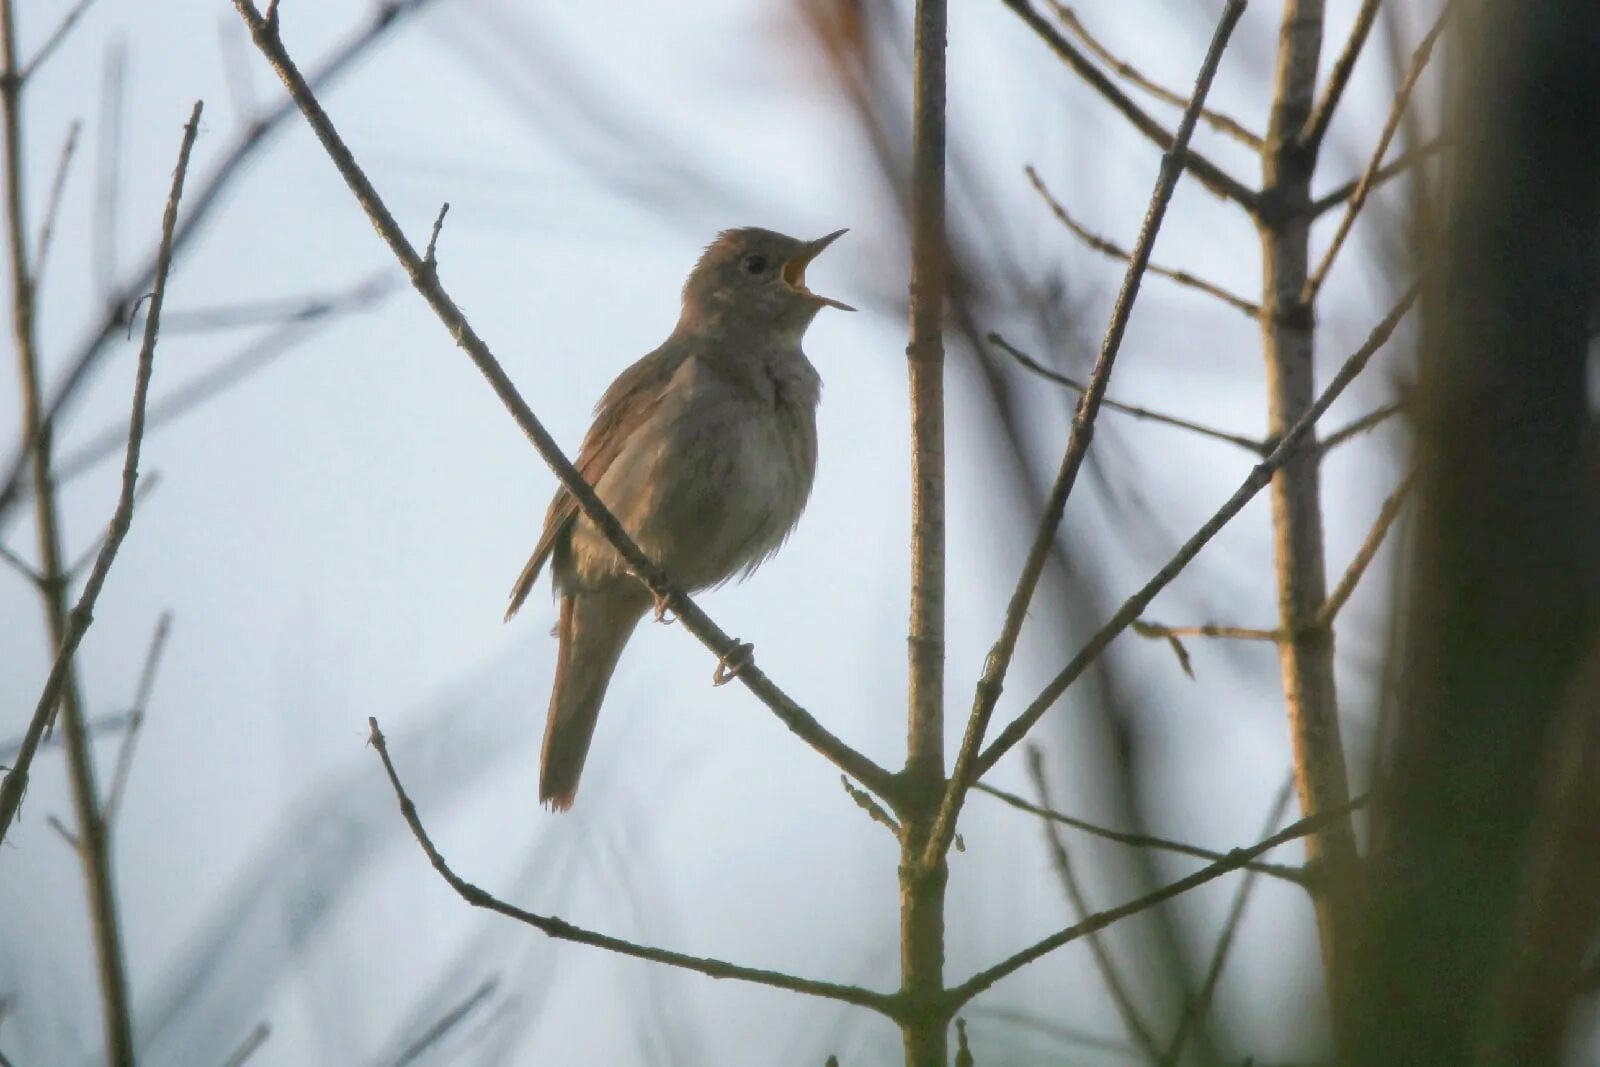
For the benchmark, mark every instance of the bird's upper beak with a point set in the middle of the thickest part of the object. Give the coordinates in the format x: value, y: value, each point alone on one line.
x: 794, y: 271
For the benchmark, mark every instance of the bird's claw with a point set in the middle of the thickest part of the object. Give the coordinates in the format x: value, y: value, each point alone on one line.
x: 664, y: 610
x: 737, y: 659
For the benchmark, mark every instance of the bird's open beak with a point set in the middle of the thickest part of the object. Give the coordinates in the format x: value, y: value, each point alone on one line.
x: 794, y: 271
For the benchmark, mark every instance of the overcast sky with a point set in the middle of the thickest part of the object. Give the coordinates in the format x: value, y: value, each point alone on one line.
x: 336, y: 537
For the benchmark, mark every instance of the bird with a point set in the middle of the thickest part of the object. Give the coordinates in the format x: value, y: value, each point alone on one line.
x: 705, y: 450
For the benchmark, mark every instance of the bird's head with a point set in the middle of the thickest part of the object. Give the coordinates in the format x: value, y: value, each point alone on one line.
x: 755, y: 278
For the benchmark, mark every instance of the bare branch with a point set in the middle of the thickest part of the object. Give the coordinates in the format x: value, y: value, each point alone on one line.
x: 1115, y: 251
x: 1206, y: 172
x: 1399, y: 166
x: 52, y: 206
x: 1317, y: 124
x: 1359, y: 426
x: 283, y: 310
x: 141, y: 702
x: 564, y: 931
x: 21, y: 566
x: 59, y: 34
x: 444, y: 307
x: 1294, y: 875
x: 1237, y: 633
x: 1364, y: 185
x: 966, y: 769
x: 1233, y: 861
x: 1120, y: 997
x: 869, y: 804
x: 147, y: 485
x: 249, y: 1046
x: 1364, y: 556
x: 1250, y: 444
x: 1196, y: 1009
x: 1215, y: 119
x: 202, y: 200
x: 1258, y: 478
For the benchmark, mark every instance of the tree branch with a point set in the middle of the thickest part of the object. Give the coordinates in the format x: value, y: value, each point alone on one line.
x: 1233, y: 861
x: 564, y: 931
x: 1316, y: 126
x: 1364, y: 555
x: 989, y: 687
x: 1215, y: 119
x: 424, y: 280
x: 1250, y: 444
x: 1258, y: 478
x: 1365, y: 184
x: 1115, y: 251
x: 1206, y: 172
x: 1402, y: 163
x: 141, y: 701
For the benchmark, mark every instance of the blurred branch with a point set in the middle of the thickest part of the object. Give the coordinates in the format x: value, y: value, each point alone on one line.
x: 1233, y: 861
x: 104, y: 726
x: 1238, y: 633
x: 967, y: 768
x: 1206, y: 172
x: 564, y: 931
x: 1115, y: 251
x: 1360, y: 426
x: 1215, y: 119
x: 52, y: 206
x: 283, y: 310
x: 141, y: 701
x: 1310, y: 137
x: 201, y: 201
x: 218, y: 379
x: 1402, y: 163
x: 59, y: 34
x: 1248, y: 443
x: 447, y: 1022
x: 1296, y: 875
x: 1194, y: 1012
x: 1364, y: 555
x: 147, y: 485
x: 1288, y: 445
x: 424, y: 279
x: 249, y: 1046
x: 1365, y: 184
x: 1120, y: 998
x: 21, y: 566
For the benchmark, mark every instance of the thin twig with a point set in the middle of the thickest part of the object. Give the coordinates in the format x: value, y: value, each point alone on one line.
x: 1364, y: 555
x: 281, y: 311
x: 447, y: 1022
x: 427, y: 284
x: 1215, y: 119
x: 992, y: 681
x: 1295, y: 875
x: 1195, y: 1010
x: 52, y: 207
x: 1402, y: 163
x: 1238, y: 633
x: 1111, y: 249
x: 1257, y: 479
x: 1233, y: 861
x: 1364, y: 185
x: 237, y: 368
x: 206, y: 197
x: 147, y: 485
x: 59, y: 34
x: 869, y: 804
x: 248, y: 1047
x: 564, y: 931
x: 1120, y: 997
x: 1206, y: 172
x: 68, y: 838
x: 1317, y: 123
x: 21, y: 566
x: 429, y: 255
x: 1250, y: 444
x: 141, y: 702
x: 1359, y: 426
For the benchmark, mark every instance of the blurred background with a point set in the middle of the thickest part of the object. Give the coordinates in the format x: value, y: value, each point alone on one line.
x: 342, y: 507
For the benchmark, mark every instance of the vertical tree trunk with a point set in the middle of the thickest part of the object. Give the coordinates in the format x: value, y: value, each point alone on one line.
x: 1305, y: 654
x: 922, y: 890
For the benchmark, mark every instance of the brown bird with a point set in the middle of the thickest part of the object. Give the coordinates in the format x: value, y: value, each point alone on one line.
x: 704, y: 450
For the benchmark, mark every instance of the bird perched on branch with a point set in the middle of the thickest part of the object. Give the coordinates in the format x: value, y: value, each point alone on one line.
x: 704, y: 450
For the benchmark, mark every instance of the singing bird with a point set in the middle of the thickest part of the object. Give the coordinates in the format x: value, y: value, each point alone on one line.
x: 704, y: 450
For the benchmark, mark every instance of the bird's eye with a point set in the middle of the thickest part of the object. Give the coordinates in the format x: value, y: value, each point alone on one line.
x: 755, y: 264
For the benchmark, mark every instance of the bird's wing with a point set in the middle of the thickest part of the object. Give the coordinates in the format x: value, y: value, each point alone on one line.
x: 624, y: 407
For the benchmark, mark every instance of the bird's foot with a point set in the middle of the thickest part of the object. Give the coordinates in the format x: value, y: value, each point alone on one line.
x: 664, y: 613
x: 737, y: 659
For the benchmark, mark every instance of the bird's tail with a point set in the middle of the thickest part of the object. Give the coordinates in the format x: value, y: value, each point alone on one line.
x: 593, y: 629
